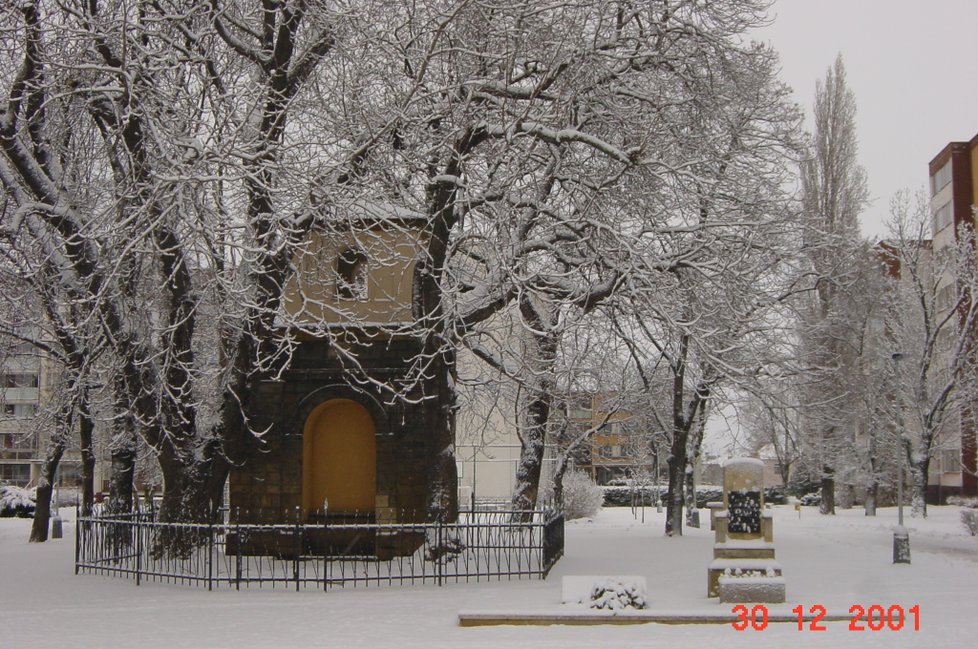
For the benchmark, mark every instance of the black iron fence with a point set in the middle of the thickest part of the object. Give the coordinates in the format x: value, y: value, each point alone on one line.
x: 479, y: 546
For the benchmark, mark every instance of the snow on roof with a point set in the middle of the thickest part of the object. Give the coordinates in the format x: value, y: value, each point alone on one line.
x: 742, y: 461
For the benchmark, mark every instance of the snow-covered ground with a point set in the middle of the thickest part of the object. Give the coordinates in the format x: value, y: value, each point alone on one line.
x: 833, y: 561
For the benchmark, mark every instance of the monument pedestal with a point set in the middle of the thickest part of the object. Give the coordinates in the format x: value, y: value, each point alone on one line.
x: 743, y: 567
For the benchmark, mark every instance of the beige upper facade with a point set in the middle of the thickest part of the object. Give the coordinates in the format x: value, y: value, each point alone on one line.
x: 357, y: 272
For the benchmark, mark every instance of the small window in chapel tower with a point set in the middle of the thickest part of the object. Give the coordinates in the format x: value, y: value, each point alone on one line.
x: 351, y: 275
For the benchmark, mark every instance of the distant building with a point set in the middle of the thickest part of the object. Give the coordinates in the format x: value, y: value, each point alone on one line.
x: 619, y: 448
x: 487, y: 447
x: 954, y: 193
x: 21, y: 378
x: 27, y: 379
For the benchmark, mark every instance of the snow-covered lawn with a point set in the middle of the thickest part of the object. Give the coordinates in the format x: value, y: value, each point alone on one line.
x: 833, y: 561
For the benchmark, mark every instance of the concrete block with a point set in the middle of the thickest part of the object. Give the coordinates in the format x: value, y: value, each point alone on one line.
x: 761, y: 590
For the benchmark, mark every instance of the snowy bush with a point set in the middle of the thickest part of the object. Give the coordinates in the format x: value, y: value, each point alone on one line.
x: 16, y: 501
x: 582, y: 498
x: 961, y: 501
x: 811, y: 500
x: 623, y: 495
x: 618, y: 496
x: 970, y: 519
x: 775, y: 496
x: 615, y: 595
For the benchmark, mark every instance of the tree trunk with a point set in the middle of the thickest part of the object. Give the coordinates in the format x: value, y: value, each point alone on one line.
x: 918, y: 474
x: 872, y: 492
x: 560, y: 469
x: 86, y: 434
x: 695, y: 447
x: 873, y: 487
x: 186, y: 499
x: 533, y: 440
x: 689, y: 495
x: 436, y: 383
x: 45, y: 487
x: 542, y: 343
x: 785, y: 468
x: 827, y: 506
x: 674, y: 496
x: 123, y: 452
x: 529, y: 468
x: 121, y: 480
x: 443, y: 474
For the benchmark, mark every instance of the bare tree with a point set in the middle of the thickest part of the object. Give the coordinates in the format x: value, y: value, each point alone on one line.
x: 531, y: 188
x: 39, y: 316
x: 770, y: 415
x: 932, y: 322
x: 186, y: 112
x: 192, y: 148
x: 834, y: 192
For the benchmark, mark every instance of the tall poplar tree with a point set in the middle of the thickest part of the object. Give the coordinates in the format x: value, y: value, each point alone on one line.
x: 834, y: 192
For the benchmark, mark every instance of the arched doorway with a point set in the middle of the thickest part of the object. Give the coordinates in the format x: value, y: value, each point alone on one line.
x: 339, y: 459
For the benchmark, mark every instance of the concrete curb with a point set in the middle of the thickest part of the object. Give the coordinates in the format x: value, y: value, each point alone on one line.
x: 589, y: 618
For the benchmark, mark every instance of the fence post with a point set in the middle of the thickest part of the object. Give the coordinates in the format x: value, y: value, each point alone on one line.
x: 78, y: 524
x: 297, y: 547
x: 438, y: 550
x: 210, y: 557
x: 325, y: 546
x: 237, y: 548
x: 139, y: 548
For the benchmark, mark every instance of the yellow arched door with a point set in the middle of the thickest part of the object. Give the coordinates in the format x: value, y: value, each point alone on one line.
x: 339, y: 459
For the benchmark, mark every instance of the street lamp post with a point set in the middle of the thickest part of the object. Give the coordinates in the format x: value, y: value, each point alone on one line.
x: 901, y: 536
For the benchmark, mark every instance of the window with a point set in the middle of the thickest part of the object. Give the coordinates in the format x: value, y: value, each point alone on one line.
x: 351, y: 275
x: 609, y: 451
x: 18, y: 474
x: 20, y: 409
x: 942, y: 217
x: 20, y: 380
x: 941, y: 178
x: 950, y: 461
x: 945, y: 298
x: 16, y: 442
x: 69, y: 475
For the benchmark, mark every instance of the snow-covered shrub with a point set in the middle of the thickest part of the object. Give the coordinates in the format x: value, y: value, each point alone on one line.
x: 811, y: 500
x: 582, y: 498
x: 963, y: 501
x: 624, y: 496
x: 970, y: 519
x: 16, y: 501
x: 618, y: 496
x: 774, y: 496
x: 615, y: 595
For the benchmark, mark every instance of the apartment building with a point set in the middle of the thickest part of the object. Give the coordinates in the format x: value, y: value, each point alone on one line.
x: 23, y: 384
x: 27, y: 379
x: 953, y: 175
x: 620, y: 446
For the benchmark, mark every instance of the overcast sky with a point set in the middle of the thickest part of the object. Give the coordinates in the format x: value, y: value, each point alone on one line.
x: 912, y: 66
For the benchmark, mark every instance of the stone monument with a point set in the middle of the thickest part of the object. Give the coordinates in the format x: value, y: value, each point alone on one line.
x: 743, y: 567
